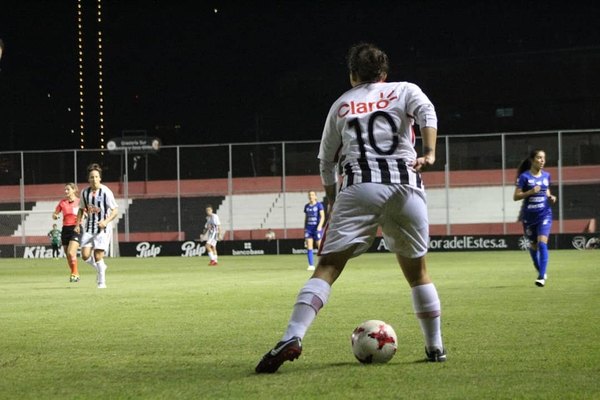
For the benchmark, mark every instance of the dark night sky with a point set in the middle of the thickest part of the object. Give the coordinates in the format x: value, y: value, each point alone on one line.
x: 182, y: 71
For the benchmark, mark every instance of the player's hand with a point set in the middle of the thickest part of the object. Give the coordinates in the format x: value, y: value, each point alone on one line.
x: 536, y: 189
x: 422, y: 163
x: 77, y: 228
x: 552, y: 199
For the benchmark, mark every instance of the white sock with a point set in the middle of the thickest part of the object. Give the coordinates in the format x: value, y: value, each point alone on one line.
x: 312, y: 297
x: 426, y: 304
x: 211, y: 256
x: 101, y: 268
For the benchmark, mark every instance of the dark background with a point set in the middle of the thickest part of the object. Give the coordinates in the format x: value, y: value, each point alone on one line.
x: 196, y: 72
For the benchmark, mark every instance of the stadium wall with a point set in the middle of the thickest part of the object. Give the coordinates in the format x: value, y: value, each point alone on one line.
x: 296, y: 246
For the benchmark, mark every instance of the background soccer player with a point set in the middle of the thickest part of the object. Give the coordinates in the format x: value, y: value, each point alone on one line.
x: 54, y: 236
x: 369, y: 129
x: 100, y: 208
x: 212, y: 230
x: 533, y: 187
x: 69, y: 207
x: 313, y: 226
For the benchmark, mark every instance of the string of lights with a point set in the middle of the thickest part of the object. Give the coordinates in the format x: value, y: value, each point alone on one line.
x: 83, y: 126
x: 100, y: 78
x: 80, y: 71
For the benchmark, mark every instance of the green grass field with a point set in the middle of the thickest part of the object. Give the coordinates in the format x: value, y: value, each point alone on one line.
x: 174, y: 328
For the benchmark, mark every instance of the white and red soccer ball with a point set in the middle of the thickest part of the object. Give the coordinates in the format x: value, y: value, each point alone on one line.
x: 374, y: 341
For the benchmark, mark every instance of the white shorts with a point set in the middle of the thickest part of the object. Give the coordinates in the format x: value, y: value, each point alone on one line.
x: 360, y: 209
x: 99, y: 241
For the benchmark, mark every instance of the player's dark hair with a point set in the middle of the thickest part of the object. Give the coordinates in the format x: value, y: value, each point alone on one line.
x: 1, y: 44
x: 526, y: 163
x: 368, y: 62
x: 208, y: 206
x: 94, y: 167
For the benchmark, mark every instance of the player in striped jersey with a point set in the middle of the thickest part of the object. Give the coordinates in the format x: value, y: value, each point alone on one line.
x: 100, y: 208
x: 533, y: 188
x: 369, y: 135
x: 212, y: 232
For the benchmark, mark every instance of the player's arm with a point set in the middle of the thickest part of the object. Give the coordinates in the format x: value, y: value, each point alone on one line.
x: 56, y: 212
x: 429, y: 136
x: 114, y: 212
x: 321, y: 219
x: 520, y: 194
x: 80, y: 213
x: 551, y: 197
x: 329, y: 177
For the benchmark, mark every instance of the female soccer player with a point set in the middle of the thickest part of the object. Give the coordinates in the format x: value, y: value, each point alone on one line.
x: 69, y: 207
x: 533, y: 187
x: 369, y: 132
x: 212, y: 230
x: 313, y: 226
x: 100, y: 208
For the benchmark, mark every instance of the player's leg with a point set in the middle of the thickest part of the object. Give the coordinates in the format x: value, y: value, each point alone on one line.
x: 310, y: 251
x: 426, y: 305
x: 86, y: 249
x: 101, y: 243
x: 101, y: 268
x: 311, y: 298
x: 71, y: 253
x: 210, y: 251
x: 406, y: 231
x: 530, y: 232
x: 542, y: 244
x: 337, y: 249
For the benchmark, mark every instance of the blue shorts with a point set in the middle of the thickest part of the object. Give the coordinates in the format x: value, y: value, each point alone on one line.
x: 311, y: 232
x: 541, y: 228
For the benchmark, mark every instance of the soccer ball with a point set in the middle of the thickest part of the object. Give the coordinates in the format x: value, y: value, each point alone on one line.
x: 374, y: 341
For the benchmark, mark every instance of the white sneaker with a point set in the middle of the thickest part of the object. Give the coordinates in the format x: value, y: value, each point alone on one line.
x: 102, y: 286
x: 310, y: 268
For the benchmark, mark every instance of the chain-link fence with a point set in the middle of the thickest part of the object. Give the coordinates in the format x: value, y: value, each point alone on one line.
x: 255, y: 187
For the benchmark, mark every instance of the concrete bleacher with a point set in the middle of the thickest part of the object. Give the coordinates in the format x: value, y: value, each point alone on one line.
x: 263, y: 211
x: 160, y: 215
x: 39, y: 221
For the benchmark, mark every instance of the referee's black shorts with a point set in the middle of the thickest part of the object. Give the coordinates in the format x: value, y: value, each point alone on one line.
x: 68, y: 234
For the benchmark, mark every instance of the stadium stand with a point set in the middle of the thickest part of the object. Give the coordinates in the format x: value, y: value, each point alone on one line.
x: 160, y: 215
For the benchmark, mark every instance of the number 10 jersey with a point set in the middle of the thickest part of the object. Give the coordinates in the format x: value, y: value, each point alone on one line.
x: 369, y: 132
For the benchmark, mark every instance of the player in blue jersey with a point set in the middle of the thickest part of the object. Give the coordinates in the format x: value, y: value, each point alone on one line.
x: 533, y: 187
x: 313, y: 226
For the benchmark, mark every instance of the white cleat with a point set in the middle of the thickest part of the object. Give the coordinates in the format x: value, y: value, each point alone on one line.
x: 310, y: 268
x: 102, y: 286
x: 540, y: 282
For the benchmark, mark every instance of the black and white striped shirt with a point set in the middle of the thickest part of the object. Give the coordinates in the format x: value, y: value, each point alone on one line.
x: 98, y: 206
x: 369, y: 132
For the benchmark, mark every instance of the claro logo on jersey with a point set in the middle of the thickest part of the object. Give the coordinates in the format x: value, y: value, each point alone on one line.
x: 145, y: 249
x: 361, y: 107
